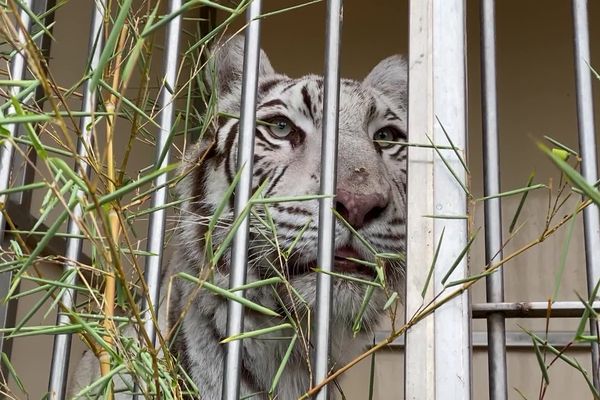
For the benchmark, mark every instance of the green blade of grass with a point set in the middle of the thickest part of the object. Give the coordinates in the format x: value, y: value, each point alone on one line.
x: 513, y: 192
x: 41, y: 245
x: 253, y: 285
x: 111, y: 44
x: 541, y: 363
x: 452, y: 146
x: 347, y: 277
x: 257, y: 332
x: 433, y: 262
x: 123, y: 190
x: 24, y: 188
x: 356, y: 327
x: 228, y: 295
x: 282, y: 364
x: 390, y: 301
x: 515, y: 218
x: 563, y: 256
x: 449, y: 168
x: 561, y: 146
x: 459, y: 258
x: 574, y: 176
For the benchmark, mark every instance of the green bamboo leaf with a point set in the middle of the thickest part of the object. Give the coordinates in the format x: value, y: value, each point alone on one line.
x: 60, y: 165
x: 390, y: 301
x: 452, y: 146
x: 137, y: 48
x: 573, y: 175
x: 521, y: 203
x: 541, y: 363
x: 355, y: 232
x: 561, y: 147
x: 123, y: 190
x: 282, y: 364
x: 228, y: 295
x: 35, y: 140
x: 363, y: 307
x: 102, y: 381
x: 350, y: 278
x: 460, y: 257
x: 41, y: 245
x: 47, y: 208
x: 13, y: 373
x: 468, y: 279
x: 257, y: 332
x: 433, y: 261
x: 253, y: 285
x: 445, y: 216
x: 514, y: 192
x: 372, y: 373
x: 24, y: 188
x: 449, y: 168
x: 111, y: 44
x: 563, y: 255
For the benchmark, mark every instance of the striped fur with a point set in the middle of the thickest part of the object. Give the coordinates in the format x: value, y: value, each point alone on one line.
x: 289, y: 166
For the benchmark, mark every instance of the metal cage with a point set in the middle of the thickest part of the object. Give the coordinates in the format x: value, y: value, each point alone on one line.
x: 438, y: 347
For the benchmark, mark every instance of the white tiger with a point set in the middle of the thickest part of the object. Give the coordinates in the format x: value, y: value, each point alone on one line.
x: 370, y: 195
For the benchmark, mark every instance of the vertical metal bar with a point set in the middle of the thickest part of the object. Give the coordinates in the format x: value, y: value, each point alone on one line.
x: 587, y: 145
x: 62, y: 342
x: 492, y: 207
x: 27, y: 174
x: 156, y: 228
x: 331, y: 98
x: 17, y: 72
x: 239, y: 251
x: 452, y: 320
x: 419, y: 371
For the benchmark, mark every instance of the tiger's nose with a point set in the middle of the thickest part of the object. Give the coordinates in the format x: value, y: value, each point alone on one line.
x: 358, y: 209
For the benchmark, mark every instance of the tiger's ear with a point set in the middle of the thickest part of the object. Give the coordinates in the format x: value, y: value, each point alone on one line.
x: 390, y: 77
x: 224, y: 69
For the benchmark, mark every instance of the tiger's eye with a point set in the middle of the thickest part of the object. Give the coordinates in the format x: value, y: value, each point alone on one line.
x: 386, y: 134
x: 281, y: 126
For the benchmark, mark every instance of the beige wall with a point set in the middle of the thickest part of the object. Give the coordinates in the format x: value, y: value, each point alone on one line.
x: 536, y: 97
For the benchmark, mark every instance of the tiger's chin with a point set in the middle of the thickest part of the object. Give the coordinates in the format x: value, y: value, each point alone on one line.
x: 347, y: 295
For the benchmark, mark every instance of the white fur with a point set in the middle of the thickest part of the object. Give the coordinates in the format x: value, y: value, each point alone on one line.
x: 379, y: 101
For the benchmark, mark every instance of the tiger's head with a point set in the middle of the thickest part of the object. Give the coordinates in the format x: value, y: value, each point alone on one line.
x: 371, y: 178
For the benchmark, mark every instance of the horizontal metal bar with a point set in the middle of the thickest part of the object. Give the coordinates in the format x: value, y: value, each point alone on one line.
x: 515, y: 340
x: 535, y: 309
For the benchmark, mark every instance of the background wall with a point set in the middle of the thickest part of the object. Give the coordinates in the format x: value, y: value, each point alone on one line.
x: 536, y: 98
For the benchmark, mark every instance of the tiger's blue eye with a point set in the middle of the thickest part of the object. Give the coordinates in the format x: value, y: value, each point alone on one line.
x: 385, y: 135
x: 281, y: 126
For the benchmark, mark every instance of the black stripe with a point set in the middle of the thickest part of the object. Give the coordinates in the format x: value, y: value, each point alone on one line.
x: 397, y: 221
x: 307, y: 102
x: 262, y: 137
x: 372, y: 110
x: 276, y: 180
x: 269, y: 84
x: 272, y: 103
x: 400, y: 149
x: 288, y: 87
x: 228, y: 149
x: 395, y: 236
x: 293, y: 210
x: 390, y: 115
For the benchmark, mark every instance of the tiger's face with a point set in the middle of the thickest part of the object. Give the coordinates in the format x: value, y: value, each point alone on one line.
x: 371, y: 177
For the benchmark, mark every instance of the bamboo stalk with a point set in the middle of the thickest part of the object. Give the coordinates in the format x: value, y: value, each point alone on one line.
x: 113, y: 216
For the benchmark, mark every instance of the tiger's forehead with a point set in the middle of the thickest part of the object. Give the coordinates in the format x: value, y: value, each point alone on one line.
x: 358, y: 103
